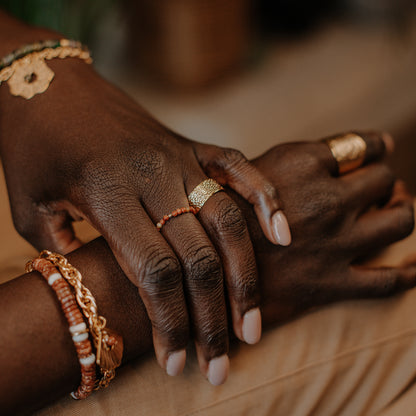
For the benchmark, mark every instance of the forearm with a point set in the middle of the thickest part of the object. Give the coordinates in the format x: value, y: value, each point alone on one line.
x: 38, y: 359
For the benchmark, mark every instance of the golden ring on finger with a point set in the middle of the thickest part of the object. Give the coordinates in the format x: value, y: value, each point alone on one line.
x: 348, y: 150
x: 202, y: 192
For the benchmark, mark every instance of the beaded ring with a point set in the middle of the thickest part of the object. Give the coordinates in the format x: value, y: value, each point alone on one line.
x: 175, y: 213
x: 77, y: 326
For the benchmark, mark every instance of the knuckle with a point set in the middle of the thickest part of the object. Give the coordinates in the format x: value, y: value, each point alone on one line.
x: 232, y: 157
x: 203, y: 264
x: 97, y: 182
x: 161, y: 274
x: 230, y: 219
x: 161, y: 280
x: 226, y: 160
x: 150, y: 162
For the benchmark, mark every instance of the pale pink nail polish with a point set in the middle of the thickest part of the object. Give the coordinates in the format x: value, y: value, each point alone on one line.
x: 218, y: 370
x: 176, y: 362
x: 280, y: 228
x: 252, y: 326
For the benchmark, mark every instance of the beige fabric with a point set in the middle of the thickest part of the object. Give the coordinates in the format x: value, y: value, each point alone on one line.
x: 354, y: 358
x: 349, y: 359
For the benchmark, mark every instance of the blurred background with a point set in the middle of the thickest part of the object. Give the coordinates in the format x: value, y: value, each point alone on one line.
x: 253, y: 73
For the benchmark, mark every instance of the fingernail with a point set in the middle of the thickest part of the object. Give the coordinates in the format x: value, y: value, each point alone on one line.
x: 388, y: 142
x: 218, y: 370
x: 176, y: 362
x: 252, y: 326
x: 280, y: 228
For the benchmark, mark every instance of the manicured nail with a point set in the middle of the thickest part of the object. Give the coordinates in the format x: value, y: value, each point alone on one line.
x: 388, y: 142
x: 176, y: 362
x: 252, y: 326
x: 218, y: 370
x: 280, y: 229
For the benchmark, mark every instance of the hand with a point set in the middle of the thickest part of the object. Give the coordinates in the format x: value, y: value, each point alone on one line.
x: 336, y: 222
x: 84, y: 150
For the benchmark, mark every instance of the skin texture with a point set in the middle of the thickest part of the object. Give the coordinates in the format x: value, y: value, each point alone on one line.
x: 85, y: 150
x: 336, y: 222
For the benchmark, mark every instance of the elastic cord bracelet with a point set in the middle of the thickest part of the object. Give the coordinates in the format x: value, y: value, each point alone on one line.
x: 77, y: 326
x: 108, y: 343
x: 25, y: 69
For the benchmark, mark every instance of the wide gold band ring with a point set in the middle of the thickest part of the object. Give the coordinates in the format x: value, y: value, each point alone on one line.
x: 348, y: 150
x: 202, y: 192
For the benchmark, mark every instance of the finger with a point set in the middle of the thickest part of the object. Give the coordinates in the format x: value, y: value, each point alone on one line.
x: 370, y: 185
x: 377, y: 145
x: 46, y: 228
x: 152, y: 266
x: 227, y: 228
x: 378, y: 228
x: 379, y: 282
x: 230, y: 167
x: 204, y: 285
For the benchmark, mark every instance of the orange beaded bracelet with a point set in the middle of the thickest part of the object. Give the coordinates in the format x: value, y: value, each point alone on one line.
x: 77, y: 326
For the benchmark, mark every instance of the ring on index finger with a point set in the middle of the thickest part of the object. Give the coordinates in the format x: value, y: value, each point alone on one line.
x: 348, y: 150
x: 202, y: 192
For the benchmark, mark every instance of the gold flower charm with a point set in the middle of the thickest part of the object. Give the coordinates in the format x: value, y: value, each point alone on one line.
x: 31, y: 76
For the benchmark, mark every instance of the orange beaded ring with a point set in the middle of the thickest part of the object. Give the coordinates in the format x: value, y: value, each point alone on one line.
x: 175, y: 213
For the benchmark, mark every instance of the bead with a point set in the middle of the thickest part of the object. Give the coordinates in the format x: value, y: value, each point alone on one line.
x: 78, y: 328
x: 173, y: 214
x: 53, y: 278
x: 80, y: 337
x: 87, y: 360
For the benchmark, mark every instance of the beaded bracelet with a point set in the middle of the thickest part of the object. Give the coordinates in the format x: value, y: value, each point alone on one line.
x: 25, y: 69
x: 77, y: 326
x: 108, y: 343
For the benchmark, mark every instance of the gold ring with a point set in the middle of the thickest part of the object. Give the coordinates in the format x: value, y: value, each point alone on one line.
x: 203, y: 192
x: 348, y: 150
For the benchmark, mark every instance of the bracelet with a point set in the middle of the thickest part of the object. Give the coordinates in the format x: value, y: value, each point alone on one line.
x: 77, y: 326
x: 108, y: 343
x: 25, y: 69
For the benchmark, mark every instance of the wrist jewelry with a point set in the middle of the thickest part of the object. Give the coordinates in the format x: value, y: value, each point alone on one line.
x: 77, y: 326
x: 25, y: 69
x: 108, y: 344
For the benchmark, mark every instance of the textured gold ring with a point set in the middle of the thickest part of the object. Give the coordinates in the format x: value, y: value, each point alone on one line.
x: 202, y: 192
x: 348, y: 150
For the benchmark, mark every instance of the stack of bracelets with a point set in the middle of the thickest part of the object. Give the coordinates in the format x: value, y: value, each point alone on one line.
x: 78, y: 304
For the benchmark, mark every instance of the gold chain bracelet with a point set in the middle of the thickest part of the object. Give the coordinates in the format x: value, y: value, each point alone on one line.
x: 108, y: 343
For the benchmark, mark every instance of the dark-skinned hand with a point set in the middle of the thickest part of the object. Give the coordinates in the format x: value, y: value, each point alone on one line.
x: 337, y: 222
x: 85, y: 150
